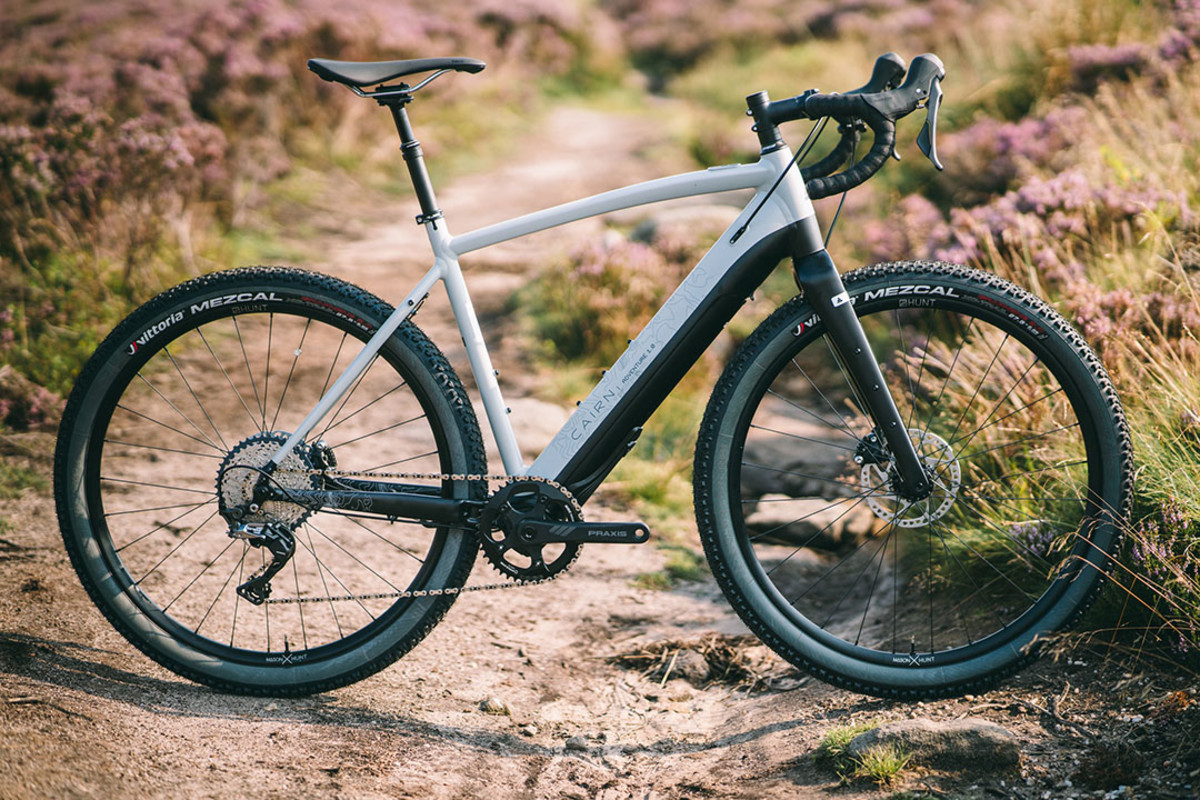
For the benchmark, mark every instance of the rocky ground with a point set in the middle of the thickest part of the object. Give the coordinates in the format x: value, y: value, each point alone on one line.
x: 585, y: 687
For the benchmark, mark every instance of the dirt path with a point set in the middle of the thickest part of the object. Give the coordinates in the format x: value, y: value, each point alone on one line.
x: 83, y: 715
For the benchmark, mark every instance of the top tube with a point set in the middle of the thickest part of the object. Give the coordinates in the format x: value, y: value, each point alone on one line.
x: 710, y: 181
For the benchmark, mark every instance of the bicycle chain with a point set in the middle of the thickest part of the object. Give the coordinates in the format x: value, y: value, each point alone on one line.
x: 450, y: 590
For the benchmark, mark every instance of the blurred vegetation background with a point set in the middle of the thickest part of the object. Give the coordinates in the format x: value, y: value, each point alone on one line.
x: 145, y: 141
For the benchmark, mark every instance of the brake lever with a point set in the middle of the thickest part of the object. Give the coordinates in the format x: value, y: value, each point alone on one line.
x: 927, y: 138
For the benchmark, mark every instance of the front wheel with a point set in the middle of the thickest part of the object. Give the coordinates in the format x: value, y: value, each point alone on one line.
x: 1020, y: 432
x: 166, y: 433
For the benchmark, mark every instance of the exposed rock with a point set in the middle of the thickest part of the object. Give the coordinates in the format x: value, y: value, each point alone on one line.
x: 494, y: 705
x: 577, y: 744
x: 798, y: 467
x: 964, y: 746
x: 811, y: 522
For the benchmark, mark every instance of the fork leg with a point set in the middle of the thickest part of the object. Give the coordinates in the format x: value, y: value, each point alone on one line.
x: 818, y: 278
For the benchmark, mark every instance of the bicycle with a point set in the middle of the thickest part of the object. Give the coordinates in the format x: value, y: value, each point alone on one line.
x: 905, y: 478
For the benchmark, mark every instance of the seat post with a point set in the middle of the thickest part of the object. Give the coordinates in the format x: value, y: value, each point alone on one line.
x: 410, y: 148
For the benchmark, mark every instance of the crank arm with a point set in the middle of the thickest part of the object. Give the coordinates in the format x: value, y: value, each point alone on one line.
x: 596, y: 532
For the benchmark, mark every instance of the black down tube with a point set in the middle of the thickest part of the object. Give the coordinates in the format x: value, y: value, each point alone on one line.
x: 818, y: 278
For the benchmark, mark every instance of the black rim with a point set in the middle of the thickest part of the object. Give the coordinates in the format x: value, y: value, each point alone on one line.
x: 291, y: 633
x: 871, y: 579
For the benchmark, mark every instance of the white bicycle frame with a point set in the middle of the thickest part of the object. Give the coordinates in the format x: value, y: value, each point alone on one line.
x: 780, y: 200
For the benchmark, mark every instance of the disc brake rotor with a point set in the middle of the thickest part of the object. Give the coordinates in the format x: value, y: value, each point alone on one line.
x: 945, y: 473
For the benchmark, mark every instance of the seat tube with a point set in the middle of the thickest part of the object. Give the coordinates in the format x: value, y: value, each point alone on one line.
x: 818, y: 278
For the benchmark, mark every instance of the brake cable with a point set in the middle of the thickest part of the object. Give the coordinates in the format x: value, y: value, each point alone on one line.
x: 805, y: 147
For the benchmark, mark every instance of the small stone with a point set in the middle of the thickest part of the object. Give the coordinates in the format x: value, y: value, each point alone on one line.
x: 529, y: 730
x: 494, y: 705
x: 967, y: 746
x: 577, y: 743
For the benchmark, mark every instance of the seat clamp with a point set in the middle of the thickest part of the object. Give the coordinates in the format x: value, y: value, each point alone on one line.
x: 432, y: 216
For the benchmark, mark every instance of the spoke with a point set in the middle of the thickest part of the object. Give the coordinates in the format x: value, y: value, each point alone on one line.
x: 259, y: 402
x: 333, y: 363
x: 989, y: 564
x: 300, y: 608
x: 128, y: 410
x: 912, y: 389
x: 176, y: 409
x: 846, y: 381
x: 843, y: 423
x: 337, y: 621
x: 1033, y: 438
x: 361, y: 409
x: 355, y: 558
x: 228, y: 379
x: 345, y: 588
x: 162, y: 525
x: 933, y: 408
x: 858, y: 499
x: 875, y: 581
x: 967, y: 406
x: 358, y: 382
x: 175, y: 549
x: 1014, y: 473
x: 841, y: 562
x: 163, y: 449
x: 267, y: 375
x: 403, y: 460
x: 157, y: 486
x: 199, y: 575
x: 236, y: 568
x: 912, y: 412
x: 967, y: 439
x: 388, y: 542
x: 803, y: 438
x: 391, y: 427
x: 296, y: 353
x: 195, y: 397
x: 172, y: 507
x: 821, y: 478
x: 991, y: 608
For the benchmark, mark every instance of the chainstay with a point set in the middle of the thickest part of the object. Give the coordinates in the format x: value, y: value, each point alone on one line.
x: 445, y: 591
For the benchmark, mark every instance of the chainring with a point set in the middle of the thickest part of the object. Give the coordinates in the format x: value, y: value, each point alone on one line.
x: 501, y: 522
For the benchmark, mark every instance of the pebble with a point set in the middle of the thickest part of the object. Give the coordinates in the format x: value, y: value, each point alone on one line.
x: 577, y: 743
x: 494, y: 705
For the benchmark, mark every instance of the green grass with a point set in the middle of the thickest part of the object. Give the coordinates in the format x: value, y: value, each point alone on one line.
x: 832, y: 751
x: 883, y: 764
x: 15, y: 479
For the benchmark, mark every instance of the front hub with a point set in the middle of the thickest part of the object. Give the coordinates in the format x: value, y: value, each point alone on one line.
x: 942, y: 470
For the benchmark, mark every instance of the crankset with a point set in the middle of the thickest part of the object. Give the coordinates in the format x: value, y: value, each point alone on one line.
x: 532, y: 529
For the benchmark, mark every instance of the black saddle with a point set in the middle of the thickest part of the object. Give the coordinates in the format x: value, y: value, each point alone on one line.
x: 369, y: 73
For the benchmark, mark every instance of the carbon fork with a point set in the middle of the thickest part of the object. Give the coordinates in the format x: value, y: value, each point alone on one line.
x: 818, y: 279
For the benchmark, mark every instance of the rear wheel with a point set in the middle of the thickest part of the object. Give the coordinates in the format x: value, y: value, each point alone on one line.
x: 166, y: 430
x: 1019, y: 428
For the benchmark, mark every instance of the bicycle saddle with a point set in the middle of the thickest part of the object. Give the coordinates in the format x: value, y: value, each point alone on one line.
x: 369, y: 73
